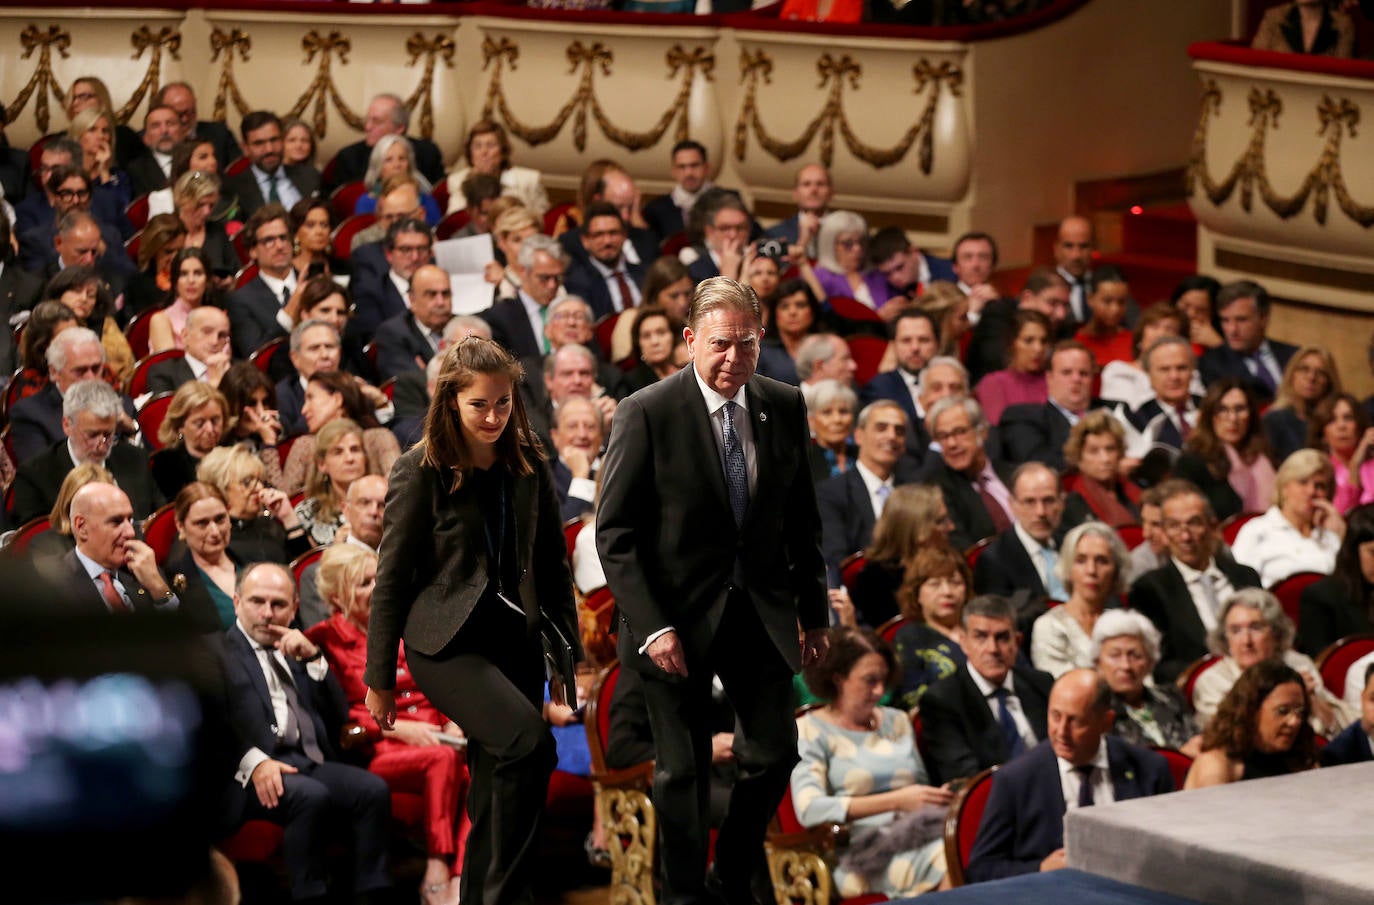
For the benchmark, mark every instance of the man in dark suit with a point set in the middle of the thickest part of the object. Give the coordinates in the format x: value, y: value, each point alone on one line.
x: 1045, y: 291
x: 1183, y: 596
x: 1036, y: 432
x: 315, y: 347
x: 618, y: 189
x: 570, y: 371
x: 577, y: 436
x: 285, y: 710
x: 1355, y: 744
x: 161, y: 132
x: 90, y: 413
x: 19, y: 291
x: 908, y: 269
x: 257, y: 311
x: 381, y: 293
x: 915, y: 341
x: 990, y: 710
x: 850, y: 503
x: 974, y: 487
x: 1080, y: 766
x: 518, y: 323
x: 76, y: 237
x: 267, y: 180
x: 41, y: 208
x: 206, y: 337
x: 710, y: 537
x: 667, y: 214
x: 182, y: 98
x: 408, y: 341
x: 603, y: 277
x: 1169, y: 417
x: 725, y: 228
x: 812, y: 192
x: 387, y: 114
x: 1247, y: 353
x: 1023, y: 558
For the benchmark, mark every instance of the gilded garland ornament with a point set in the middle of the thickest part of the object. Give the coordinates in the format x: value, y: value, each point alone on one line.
x: 229, y: 43
x: 142, y: 40
x: 322, y: 87
x: 42, y: 82
x: 422, y: 100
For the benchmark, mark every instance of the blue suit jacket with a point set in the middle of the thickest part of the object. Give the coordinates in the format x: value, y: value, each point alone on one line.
x: 375, y: 298
x: 290, y: 401
x: 1350, y: 747
x: 585, y: 281
x: 1024, y: 818
x: 253, y: 317
x: 703, y: 268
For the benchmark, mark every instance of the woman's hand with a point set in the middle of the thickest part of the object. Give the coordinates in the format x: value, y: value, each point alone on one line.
x: 100, y: 162
x: 382, y: 706
x: 372, y: 394
x: 913, y: 798
x: 266, y: 423
x: 493, y: 272
x: 843, y: 607
x: 411, y: 732
x: 293, y: 304
x: 1360, y: 454
x: 1325, y: 516
x: 278, y: 504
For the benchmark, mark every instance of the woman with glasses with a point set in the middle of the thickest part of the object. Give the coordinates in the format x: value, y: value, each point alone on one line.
x: 1261, y: 729
x: 1226, y: 455
x: 263, y: 525
x: 1309, y: 380
x: 843, y: 269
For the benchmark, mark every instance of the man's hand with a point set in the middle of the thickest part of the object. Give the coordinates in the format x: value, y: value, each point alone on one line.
x: 843, y: 607
x: 382, y: 706
x: 605, y: 404
x: 267, y: 781
x: 979, y: 296
x: 141, y: 560
x: 722, y: 747
x: 666, y: 652
x: 412, y: 732
x: 492, y: 272
x: 808, y: 225
x: 814, y: 646
x: 1055, y: 861
x: 577, y: 460
x: 216, y: 364
x: 292, y: 642
x: 731, y: 254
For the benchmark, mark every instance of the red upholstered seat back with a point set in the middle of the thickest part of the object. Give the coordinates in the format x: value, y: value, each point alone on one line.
x: 1179, y: 764
x: 159, y: 530
x: 1289, y: 592
x: 788, y: 820
x: 1336, y: 660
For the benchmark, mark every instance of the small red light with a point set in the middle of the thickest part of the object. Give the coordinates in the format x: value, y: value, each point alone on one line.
x: 1137, y: 209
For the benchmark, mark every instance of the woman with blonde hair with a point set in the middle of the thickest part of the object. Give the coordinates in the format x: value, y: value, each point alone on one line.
x: 57, y: 541
x: 93, y: 130
x: 509, y: 229
x: 88, y: 91
x: 263, y: 526
x: 151, y: 288
x: 914, y: 519
x: 1302, y: 531
x: 948, y: 307
x: 192, y: 428
x: 1310, y: 379
x: 195, y: 195
x: 339, y: 460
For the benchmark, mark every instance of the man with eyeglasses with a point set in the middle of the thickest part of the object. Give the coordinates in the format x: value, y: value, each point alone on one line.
x: 409, y: 340
x: 518, y: 323
x: 36, y: 422
x: 726, y: 227
x: 40, y: 208
x: 259, y: 311
x: 604, y: 277
x: 1022, y: 559
x: 47, y: 249
x: 1183, y: 597
x: 381, y: 294
x: 90, y: 419
x: 267, y: 180
x: 974, y: 488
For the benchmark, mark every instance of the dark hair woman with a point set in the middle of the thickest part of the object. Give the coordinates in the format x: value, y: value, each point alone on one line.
x: 792, y: 313
x: 1342, y: 604
x: 1226, y: 455
x: 1261, y: 729
x: 472, y: 557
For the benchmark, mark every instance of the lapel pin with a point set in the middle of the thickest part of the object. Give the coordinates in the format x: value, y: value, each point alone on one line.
x: 763, y: 416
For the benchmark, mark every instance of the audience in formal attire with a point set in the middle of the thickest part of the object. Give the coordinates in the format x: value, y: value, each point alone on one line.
x: 930, y: 646
x: 1092, y: 568
x: 518, y: 323
x: 205, y: 341
x: 1261, y: 729
x: 975, y: 490
x: 791, y: 314
x: 298, y: 143
x: 667, y: 215
x: 488, y: 150
x: 655, y: 335
x: 603, y: 276
x: 724, y: 235
x: 908, y: 269
x: 409, y: 340
x: 1074, y: 245
x: 577, y: 436
x: 1022, y: 560
x: 1302, y: 530
x: 1044, y: 291
x: 1355, y: 744
x: 181, y: 97
x: 267, y: 180
x: 1149, y: 554
x: 191, y: 275
x: 192, y: 427
x: 1125, y: 649
x: 913, y: 519
x: 333, y: 396
x: 259, y: 309
x: 380, y: 287
x: 208, y: 572
x: 1096, y: 453
x: 263, y: 524
x: 1169, y: 416
x: 1125, y: 380
x: 1247, y: 353
x: 1309, y: 380
x: 1227, y: 456
x: 58, y: 541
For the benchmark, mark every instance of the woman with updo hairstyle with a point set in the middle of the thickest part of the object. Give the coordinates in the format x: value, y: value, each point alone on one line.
x: 1125, y: 649
x: 1310, y: 379
x: 193, y: 426
x: 1226, y: 454
x: 914, y: 519
x: 509, y: 229
x: 331, y: 395
x: 1095, y: 489
x: 196, y: 196
x: 937, y: 584
x: 152, y: 287
x: 472, y: 559
x: 207, y: 569
x: 1261, y: 729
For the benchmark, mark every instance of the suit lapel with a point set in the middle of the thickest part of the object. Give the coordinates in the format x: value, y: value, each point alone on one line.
x: 700, y: 434
x: 1188, y: 623
x: 252, y: 666
x: 980, y: 718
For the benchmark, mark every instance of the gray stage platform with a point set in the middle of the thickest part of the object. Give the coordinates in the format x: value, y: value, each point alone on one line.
x: 1294, y: 840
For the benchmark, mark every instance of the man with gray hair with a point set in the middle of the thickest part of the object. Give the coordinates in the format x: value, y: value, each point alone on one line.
x: 1170, y: 416
x: 409, y: 340
x: 387, y: 114
x: 570, y: 323
x: 825, y: 356
x: 36, y: 422
x: 314, y: 348
x: 90, y: 417
x: 975, y: 491
x: 518, y: 323
x: 206, y: 341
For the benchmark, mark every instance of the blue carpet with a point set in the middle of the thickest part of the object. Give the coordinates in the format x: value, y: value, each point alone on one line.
x: 1060, y: 887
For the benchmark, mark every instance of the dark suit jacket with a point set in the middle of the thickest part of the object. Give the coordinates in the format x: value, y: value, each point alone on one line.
x: 1219, y: 492
x: 305, y: 178
x: 290, y: 401
x: 569, y: 507
x: 847, y: 514
x: 1285, y: 431
x: 1023, y: 821
x: 400, y: 340
x: 38, y: 480
x: 1326, y: 614
x: 350, y: 164
x: 1034, y: 432
x: 663, y: 217
x: 1223, y: 361
x: 583, y: 279
x: 1005, y: 567
x: 666, y: 534
x: 511, y: 328
x: 1162, y: 596
x: 962, y: 735
x: 375, y: 300
x: 987, y: 347
x: 432, y: 574
x: 19, y: 291
x: 253, y: 317
x: 1169, y: 435
x: 703, y: 268
x: 36, y: 422
x: 70, y: 574
x: 14, y: 172
x: 1350, y: 747
x: 146, y: 175
x: 167, y: 376
x: 644, y: 241
x: 971, y: 520
x: 38, y: 253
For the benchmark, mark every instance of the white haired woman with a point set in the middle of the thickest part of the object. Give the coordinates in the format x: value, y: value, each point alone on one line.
x: 1093, y: 565
x: 1125, y: 649
x: 394, y: 154
x: 843, y: 268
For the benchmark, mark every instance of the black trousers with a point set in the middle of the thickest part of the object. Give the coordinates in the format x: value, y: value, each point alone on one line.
x: 490, y: 681
x: 758, y: 683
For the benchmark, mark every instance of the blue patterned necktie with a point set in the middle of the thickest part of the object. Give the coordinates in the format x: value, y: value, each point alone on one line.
x: 736, y: 477
x: 1010, y: 734
x: 1054, y: 588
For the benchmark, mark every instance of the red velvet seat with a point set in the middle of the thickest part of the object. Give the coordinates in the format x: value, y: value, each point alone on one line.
x: 888, y: 630
x: 1231, y: 527
x: 305, y: 561
x: 572, y: 528
x: 1335, y: 661
x: 1131, y: 535
x: 1187, y: 680
x: 25, y: 533
x: 344, y: 199
x: 868, y: 352
x: 850, y: 567
x: 976, y: 550
x: 1289, y: 592
x: 262, y: 355
x: 555, y: 214
x: 451, y: 224
x: 136, y: 332
x: 1179, y: 764
x: 159, y: 530
x: 605, y: 330
x: 150, y: 418
x: 248, y: 274
x: 852, y: 309
x: 961, y: 823
x: 351, y: 225
x: 137, y: 213
x: 138, y: 380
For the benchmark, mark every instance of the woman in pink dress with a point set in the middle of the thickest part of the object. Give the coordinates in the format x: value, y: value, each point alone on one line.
x: 1022, y: 381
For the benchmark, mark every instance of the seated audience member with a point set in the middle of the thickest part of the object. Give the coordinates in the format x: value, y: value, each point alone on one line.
x: 1074, y: 245
x: 1339, y: 605
x: 110, y: 570
x: 604, y: 277
x: 90, y: 417
x: 1045, y: 291
x: 258, y: 310
x: 408, y: 341
x: 830, y: 412
x: 570, y: 324
x: 399, y: 200
x: 1226, y: 455
x: 338, y: 458
x: 191, y: 290
x: 1125, y: 649
x: 1261, y: 729
x: 570, y: 371
x: 979, y: 500
x: 851, y: 737
x: 14, y: 165
x: 577, y: 437
x: 386, y: 114
x: 907, y: 269
x: 942, y: 376
x: 667, y: 285
x: 263, y: 525
x: 73, y: 355
x: 1247, y: 352
x: 1149, y: 554
x: 314, y: 349
x: 915, y: 343
x: 1317, y: 27
x: 1252, y: 628
x: 913, y: 519
x: 195, y: 196
x: 487, y: 150
x: 1340, y: 427
x: 1170, y: 414
x: 393, y: 154
x: 1355, y: 744
x: 1022, y: 560
x: 267, y: 180
x: 791, y: 313
x: 332, y: 396
x: 181, y: 98
x: 1302, y: 531
x: 1038, y: 431
x: 518, y: 323
x: 851, y: 503
x: 380, y: 289
x: 191, y: 154
x: 1125, y: 380
x: 406, y: 756
x: 322, y: 299
x: 46, y: 321
x: 1182, y: 596
x: 1092, y: 567
x: 57, y: 541
x: 76, y: 238
x: 1095, y: 450
x: 725, y: 227
x: 655, y: 334
x: 812, y: 190
x: 1022, y: 381
x: 207, y: 570
x: 193, y: 426
x: 288, y: 771
x: 825, y: 356
x: 1081, y: 766
x: 19, y: 289
x: 842, y: 267
x: 205, y: 339
x: 311, y: 223
x: 79, y: 287
x: 1309, y: 380
x: 975, y: 259
x: 1195, y: 297
x: 298, y: 143
x: 509, y: 230
x: 363, y: 511
x: 667, y: 214
x: 253, y: 422
x: 934, y: 590
x: 480, y: 191
x: 1104, y: 333
x: 992, y: 709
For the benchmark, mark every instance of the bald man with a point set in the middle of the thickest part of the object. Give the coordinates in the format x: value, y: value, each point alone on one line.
x: 812, y: 191
x: 1074, y: 248
x: 206, y: 341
